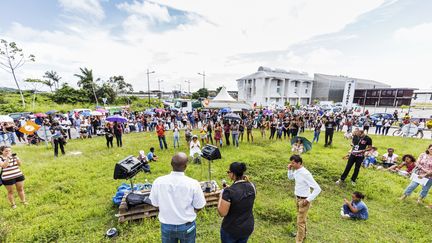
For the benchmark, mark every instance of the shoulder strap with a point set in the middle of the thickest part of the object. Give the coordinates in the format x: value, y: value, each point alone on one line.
x: 253, y: 186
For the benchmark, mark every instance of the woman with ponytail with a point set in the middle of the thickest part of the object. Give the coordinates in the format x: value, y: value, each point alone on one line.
x: 235, y: 205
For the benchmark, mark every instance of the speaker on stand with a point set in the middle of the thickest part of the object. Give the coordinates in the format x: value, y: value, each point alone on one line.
x: 210, y: 153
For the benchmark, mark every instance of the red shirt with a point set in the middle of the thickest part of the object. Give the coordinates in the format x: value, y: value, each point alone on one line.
x: 160, y: 130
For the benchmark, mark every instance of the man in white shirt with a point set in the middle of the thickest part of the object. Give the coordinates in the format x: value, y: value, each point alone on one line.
x: 390, y: 158
x: 303, y: 183
x: 178, y: 197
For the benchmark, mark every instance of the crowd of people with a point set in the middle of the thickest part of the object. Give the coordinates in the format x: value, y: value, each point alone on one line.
x: 213, y: 127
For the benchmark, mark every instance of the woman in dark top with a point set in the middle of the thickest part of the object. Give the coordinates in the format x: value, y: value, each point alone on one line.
x: 235, y: 205
x: 109, y: 134
x: 118, y: 131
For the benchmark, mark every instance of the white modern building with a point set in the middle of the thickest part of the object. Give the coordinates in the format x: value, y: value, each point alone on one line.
x: 422, y: 97
x: 271, y: 87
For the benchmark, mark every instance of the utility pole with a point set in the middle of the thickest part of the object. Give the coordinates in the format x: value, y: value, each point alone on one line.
x: 189, y: 82
x: 148, y: 84
x: 203, y: 75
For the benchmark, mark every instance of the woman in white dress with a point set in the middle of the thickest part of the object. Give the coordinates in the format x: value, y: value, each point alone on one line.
x: 195, y: 146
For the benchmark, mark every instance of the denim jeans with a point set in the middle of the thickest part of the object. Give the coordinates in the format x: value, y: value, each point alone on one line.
x: 11, y: 136
x: 176, y: 141
x: 378, y: 129
x: 316, y: 136
x: 413, y: 185
x: 227, y: 238
x: 185, y: 233
x: 162, y: 142
x: 235, y: 138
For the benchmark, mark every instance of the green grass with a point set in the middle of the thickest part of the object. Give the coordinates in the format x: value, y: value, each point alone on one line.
x: 70, y: 197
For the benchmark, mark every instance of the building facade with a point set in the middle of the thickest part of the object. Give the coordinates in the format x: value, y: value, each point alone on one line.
x: 384, y: 97
x: 268, y: 87
x: 331, y: 87
x: 422, y: 97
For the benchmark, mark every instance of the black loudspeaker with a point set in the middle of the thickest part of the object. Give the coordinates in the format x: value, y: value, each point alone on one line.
x: 127, y: 168
x: 211, y: 152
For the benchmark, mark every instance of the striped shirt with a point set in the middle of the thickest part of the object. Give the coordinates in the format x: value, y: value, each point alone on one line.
x: 12, y: 171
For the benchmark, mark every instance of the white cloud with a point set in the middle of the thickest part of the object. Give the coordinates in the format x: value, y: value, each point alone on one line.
x: 218, y: 31
x: 421, y: 33
x: 154, y: 12
x: 89, y: 8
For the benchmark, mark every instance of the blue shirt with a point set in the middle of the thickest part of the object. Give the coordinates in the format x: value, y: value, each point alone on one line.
x: 362, y: 210
x: 150, y: 156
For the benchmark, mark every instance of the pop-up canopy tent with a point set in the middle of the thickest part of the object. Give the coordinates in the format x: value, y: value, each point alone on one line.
x: 224, y: 100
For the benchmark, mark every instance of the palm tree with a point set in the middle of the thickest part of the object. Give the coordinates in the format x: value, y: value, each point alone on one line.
x: 54, y: 77
x: 86, y: 82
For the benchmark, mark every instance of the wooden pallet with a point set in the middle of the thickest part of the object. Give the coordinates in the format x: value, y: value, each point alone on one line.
x: 148, y: 211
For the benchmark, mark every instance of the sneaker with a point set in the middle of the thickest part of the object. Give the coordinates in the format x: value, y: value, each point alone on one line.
x: 14, y: 206
x: 345, y: 216
x: 420, y: 200
x: 403, y: 197
x: 342, y: 213
x: 353, y: 183
x: 338, y: 182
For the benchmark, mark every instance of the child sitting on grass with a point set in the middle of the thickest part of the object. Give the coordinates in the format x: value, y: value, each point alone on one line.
x: 151, y: 156
x: 356, y: 209
x: 370, y: 157
x: 297, y: 147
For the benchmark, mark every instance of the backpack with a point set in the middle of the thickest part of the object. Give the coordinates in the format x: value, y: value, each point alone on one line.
x: 135, y: 199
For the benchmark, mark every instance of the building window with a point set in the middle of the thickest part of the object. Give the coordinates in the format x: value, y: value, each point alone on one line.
x: 296, y: 84
x: 278, y: 90
x: 306, y: 91
x: 431, y: 97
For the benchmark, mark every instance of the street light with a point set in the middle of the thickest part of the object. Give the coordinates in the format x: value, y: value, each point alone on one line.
x: 148, y: 83
x: 203, y: 75
x: 189, y: 82
x: 159, y: 82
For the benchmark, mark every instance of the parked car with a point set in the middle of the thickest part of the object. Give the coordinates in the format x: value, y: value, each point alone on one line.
x: 386, y: 116
x: 16, y: 116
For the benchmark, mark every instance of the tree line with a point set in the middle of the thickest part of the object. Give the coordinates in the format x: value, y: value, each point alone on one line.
x: 90, y: 90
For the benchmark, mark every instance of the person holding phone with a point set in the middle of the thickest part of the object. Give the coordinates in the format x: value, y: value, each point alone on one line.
x: 12, y: 175
x: 304, y: 182
x: 236, y: 206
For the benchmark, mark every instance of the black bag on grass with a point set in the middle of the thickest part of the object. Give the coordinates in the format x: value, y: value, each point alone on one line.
x: 135, y: 199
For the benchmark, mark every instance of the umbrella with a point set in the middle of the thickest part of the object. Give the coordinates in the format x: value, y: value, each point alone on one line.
x: 159, y: 110
x: 86, y: 113
x: 51, y: 112
x: 268, y: 112
x: 307, y: 145
x: 40, y: 115
x: 149, y: 113
x: 4, y: 118
x: 101, y: 110
x: 116, y: 118
x: 29, y: 128
x: 232, y: 116
x: 225, y: 110
x: 96, y: 113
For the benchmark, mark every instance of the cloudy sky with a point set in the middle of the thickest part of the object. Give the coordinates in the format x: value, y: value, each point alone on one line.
x: 384, y: 40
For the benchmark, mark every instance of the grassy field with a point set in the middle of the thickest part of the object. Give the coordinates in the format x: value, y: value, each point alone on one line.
x: 70, y: 197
